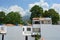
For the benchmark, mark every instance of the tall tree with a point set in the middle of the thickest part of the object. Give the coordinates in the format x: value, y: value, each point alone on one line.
x: 36, y: 11
x: 13, y: 18
x: 59, y: 17
x: 54, y: 15
x: 2, y: 16
x: 46, y: 14
x: 51, y: 13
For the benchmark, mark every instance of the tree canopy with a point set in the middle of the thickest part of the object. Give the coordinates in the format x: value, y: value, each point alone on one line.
x: 37, y: 11
x: 13, y: 18
x: 59, y: 17
x: 2, y: 17
x: 51, y: 13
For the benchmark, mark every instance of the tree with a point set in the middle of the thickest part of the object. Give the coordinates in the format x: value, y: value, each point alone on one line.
x: 37, y: 37
x: 36, y: 11
x: 51, y: 13
x: 54, y: 15
x: 2, y: 17
x: 59, y: 17
x: 46, y: 14
x: 13, y: 18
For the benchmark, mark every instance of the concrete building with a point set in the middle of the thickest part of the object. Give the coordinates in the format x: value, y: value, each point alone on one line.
x: 42, y: 20
x: 58, y: 22
x: 35, y: 28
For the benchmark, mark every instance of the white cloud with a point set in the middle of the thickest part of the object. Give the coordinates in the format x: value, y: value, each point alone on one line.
x: 14, y: 8
x: 3, y: 9
x: 28, y: 12
x: 56, y: 7
x: 45, y: 5
x: 17, y: 8
x: 41, y: 3
x: 31, y: 5
x: 23, y: 12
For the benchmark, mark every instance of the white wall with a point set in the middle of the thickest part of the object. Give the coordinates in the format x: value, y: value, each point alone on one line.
x: 50, y: 32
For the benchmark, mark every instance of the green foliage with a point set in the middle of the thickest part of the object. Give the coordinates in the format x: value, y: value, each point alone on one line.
x: 51, y: 13
x: 59, y: 17
x: 36, y: 11
x: 46, y: 14
x: 2, y: 17
x: 13, y: 18
x: 37, y: 37
x: 29, y: 21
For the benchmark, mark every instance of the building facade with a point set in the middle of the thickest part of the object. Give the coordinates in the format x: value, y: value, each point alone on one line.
x: 35, y: 28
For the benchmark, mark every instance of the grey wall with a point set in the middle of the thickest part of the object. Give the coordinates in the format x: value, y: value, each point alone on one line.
x: 15, y: 33
x: 49, y: 32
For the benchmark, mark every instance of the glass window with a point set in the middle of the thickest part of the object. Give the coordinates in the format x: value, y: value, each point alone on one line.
x: 23, y: 29
x: 42, y: 22
x: 36, y: 29
x: 28, y: 29
x: 37, y: 22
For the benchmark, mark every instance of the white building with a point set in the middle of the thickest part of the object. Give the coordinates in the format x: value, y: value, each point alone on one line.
x: 59, y: 22
x: 35, y: 28
x: 42, y: 20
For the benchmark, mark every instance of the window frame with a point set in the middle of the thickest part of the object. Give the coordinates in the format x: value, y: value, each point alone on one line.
x: 37, y: 22
x: 36, y: 30
x: 28, y: 29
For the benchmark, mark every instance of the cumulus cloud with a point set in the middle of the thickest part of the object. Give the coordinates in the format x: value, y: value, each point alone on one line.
x: 14, y: 8
x: 3, y: 9
x: 41, y: 3
x: 46, y: 6
x: 56, y: 7
x: 17, y: 8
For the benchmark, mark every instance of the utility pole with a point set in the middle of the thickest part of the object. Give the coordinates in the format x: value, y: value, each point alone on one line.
x: 26, y: 37
x: 2, y: 36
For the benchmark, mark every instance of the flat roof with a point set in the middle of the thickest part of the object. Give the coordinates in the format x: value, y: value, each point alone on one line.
x: 41, y: 18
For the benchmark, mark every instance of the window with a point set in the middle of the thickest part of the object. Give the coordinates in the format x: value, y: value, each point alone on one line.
x: 36, y: 29
x: 49, y: 22
x: 37, y: 22
x: 23, y: 29
x: 28, y: 29
x: 42, y: 22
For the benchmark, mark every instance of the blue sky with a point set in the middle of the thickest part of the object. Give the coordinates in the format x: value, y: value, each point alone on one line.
x: 50, y: 2
x: 24, y: 5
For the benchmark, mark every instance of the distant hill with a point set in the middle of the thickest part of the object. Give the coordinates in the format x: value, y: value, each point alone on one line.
x: 26, y: 17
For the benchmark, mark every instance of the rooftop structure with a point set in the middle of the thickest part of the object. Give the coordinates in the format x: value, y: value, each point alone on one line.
x: 35, y: 28
x: 42, y: 21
